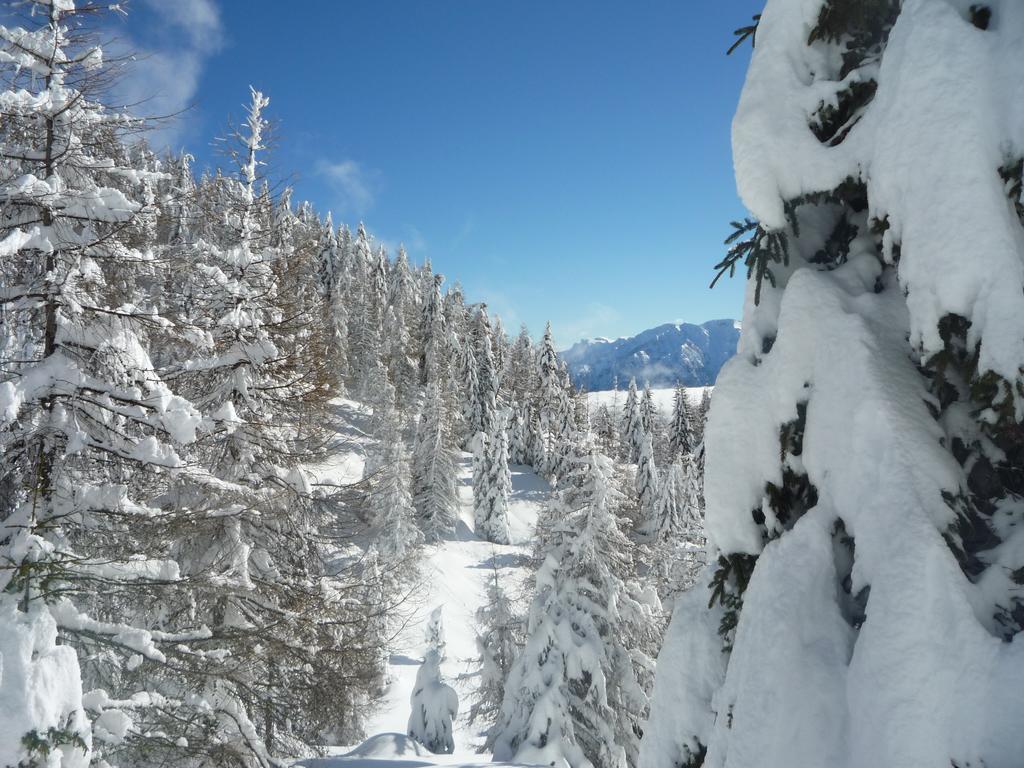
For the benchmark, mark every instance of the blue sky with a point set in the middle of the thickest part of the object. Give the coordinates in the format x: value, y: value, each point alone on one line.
x: 564, y: 160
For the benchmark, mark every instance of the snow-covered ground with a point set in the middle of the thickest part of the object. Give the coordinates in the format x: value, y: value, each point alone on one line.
x: 454, y: 576
x: 395, y: 750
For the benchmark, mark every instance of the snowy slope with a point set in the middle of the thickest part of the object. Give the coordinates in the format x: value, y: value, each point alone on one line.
x: 454, y: 576
x: 675, y: 352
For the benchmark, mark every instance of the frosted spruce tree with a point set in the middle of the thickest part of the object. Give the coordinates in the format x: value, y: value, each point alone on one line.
x: 433, y: 634
x: 435, y: 705
x: 549, y: 403
x: 391, y: 507
x: 632, y: 424
x: 483, y: 381
x: 433, y: 363
x: 492, y: 484
x: 701, y: 417
x: 331, y: 280
x: 677, y: 530
x: 606, y: 431
x: 400, y: 323
x: 578, y: 691
x: 680, y: 432
x: 863, y: 448
x: 365, y: 315
x: 518, y: 436
x: 499, y: 637
x: 253, y: 553
x: 434, y: 470
x: 502, y: 347
x: 647, y: 486
x: 649, y: 412
x: 518, y: 381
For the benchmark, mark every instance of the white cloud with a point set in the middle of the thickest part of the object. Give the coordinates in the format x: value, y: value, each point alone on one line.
x: 352, y: 186
x: 198, y: 19
x: 162, y: 80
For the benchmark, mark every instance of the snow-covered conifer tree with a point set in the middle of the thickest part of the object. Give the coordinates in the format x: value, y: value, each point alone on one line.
x: 677, y: 530
x: 483, y: 382
x: 498, y: 640
x: 401, y: 367
x: 400, y: 323
x: 518, y: 381
x: 677, y: 507
x: 606, y: 433
x: 401, y: 286
x: 518, y: 437
x: 632, y: 424
x: 501, y: 347
x: 581, y: 408
x: 392, y: 512
x: 562, y: 441
x: 328, y: 261
x: 700, y: 419
x: 867, y: 529
x: 680, y: 437
x: 435, y: 705
x: 648, y: 410
x: 578, y: 691
x: 434, y: 470
x: 253, y: 517
x: 493, y: 484
x: 549, y: 381
x: 365, y: 287
x: 330, y: 280
x: 433, y: 634
x: 535, y: 441
x: 87, y: 427
x: 647, y: 487
x: 433, y: 364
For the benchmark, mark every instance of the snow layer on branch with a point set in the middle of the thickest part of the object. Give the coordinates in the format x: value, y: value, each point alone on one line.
x: 923, y: 678
x: 948, y: 112
x: 691, y: 668
x: 803, y: 685
x: 40, y: 687
x: 918, y: 671
x: 841, y: 348
x: 434, y: 705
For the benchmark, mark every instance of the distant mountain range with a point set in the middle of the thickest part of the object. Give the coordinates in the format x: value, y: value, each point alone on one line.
x: 675, y: 352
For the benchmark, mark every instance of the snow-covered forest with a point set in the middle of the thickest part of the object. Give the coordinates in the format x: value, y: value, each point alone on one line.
x: 272, y: 494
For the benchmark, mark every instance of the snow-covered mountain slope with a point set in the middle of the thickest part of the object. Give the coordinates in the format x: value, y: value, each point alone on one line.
x: 671, y: 353
x: 454, y: 576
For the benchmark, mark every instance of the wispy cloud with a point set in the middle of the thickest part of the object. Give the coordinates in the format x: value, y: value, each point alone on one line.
x: 198, y: 19
x: 353, y: 186
x: 163, y: 78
